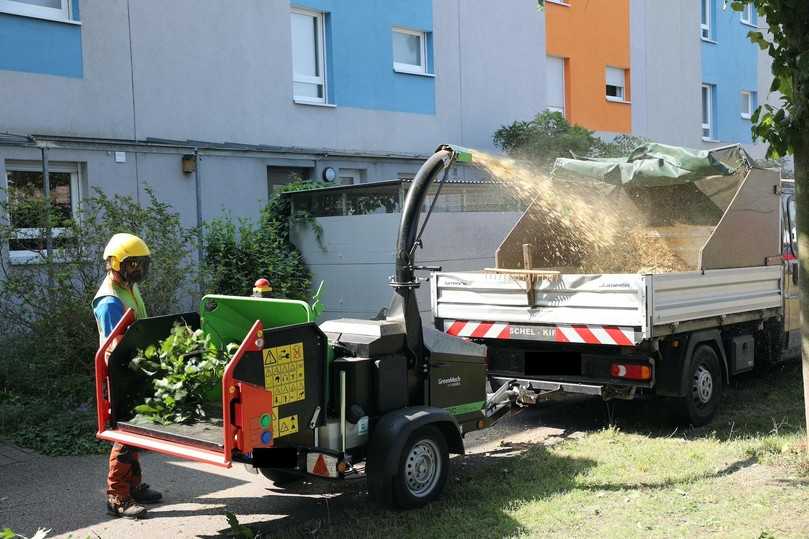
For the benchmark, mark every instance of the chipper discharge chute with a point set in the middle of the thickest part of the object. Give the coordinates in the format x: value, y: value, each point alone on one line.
x: 384, y: 398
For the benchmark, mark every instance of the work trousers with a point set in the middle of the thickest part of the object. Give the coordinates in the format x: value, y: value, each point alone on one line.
x: 124, y: 474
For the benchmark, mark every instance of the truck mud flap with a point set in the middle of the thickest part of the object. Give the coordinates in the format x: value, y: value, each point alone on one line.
x: 549, y: 386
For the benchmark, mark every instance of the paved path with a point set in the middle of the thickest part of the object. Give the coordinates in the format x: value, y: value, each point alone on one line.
x: 67, y: 493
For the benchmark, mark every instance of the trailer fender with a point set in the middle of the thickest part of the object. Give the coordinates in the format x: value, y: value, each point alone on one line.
x: 712, y: 337
x: 391, y: 432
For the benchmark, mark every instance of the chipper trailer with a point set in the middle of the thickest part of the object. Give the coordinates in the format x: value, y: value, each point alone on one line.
x: 553, y: 328
x: 388, y: 399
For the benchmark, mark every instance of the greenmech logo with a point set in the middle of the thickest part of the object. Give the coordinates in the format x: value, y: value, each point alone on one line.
x: 451, y: 381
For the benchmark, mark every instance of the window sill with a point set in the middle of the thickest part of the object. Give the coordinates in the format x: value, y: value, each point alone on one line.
x: 751, y: 25
x: 709, y: 139
x: 708, y: 40
x: 558, y: 3
x: 747, y: 116
x: 314, y: 103
x: 42, y: 18
x: 416, y: 73
x: 617, y: 100
x: 33, y: 258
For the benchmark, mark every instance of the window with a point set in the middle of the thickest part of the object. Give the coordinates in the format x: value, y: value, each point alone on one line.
x: 748, y: 104
x: 707, y: 12
x: 351, y: 176
x: 25, y: 186
x: 747, y: 14
x: 707, y: 112
x: 308, y: 58
x: 555, y: 83
x: 616, y: 81
x: 45, y: 9
x: 409, y: 51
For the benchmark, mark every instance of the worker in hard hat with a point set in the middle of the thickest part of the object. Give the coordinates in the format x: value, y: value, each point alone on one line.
x: 127, y: 260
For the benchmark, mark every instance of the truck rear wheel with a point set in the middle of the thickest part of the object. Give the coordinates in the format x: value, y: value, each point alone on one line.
x: 422, y: 470
x: 704, y: 390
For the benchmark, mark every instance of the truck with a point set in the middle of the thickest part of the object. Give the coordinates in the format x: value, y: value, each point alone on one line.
x: 386, y: 399
x: 551, y: 330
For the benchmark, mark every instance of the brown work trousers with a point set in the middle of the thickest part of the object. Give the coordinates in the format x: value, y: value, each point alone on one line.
x: 124, y: 474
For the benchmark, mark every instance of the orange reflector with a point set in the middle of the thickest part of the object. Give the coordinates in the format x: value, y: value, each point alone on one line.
x: 631, y: 372
x: 342, y: 466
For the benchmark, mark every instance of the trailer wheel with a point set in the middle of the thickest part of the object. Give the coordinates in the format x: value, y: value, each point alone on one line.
x: 280, y: 477
x: 704, y: 392
x: 423, y: 468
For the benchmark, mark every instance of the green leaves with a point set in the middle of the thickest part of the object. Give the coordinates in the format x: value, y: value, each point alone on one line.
x: 185, y: 368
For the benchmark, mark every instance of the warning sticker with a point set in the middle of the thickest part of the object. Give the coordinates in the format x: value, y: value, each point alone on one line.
x: 283, y: 373
x: 288, y: 425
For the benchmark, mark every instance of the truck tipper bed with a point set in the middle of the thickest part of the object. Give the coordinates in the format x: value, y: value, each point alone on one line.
x: 678, y: 334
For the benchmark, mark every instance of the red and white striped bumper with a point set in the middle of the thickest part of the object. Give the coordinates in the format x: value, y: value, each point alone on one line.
x: 584, y: 334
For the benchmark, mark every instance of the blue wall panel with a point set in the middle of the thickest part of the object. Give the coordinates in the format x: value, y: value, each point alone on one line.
x: 360, y: 54
x: 40, y: 46
x: 731, y: 64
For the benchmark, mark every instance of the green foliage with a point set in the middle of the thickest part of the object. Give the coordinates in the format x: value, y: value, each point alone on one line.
x: 787, y: 43
x: 549, y: 136
x: 185, y: 369
x: 237, y: 530
x: 49, y: 336
x: 238, y: 253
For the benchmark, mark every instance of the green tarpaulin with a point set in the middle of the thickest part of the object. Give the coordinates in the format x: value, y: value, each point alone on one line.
x: 653, y: 165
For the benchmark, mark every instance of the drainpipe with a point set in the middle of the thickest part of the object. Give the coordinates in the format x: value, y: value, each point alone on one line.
x: 46, y: 182
x: 198, y: 194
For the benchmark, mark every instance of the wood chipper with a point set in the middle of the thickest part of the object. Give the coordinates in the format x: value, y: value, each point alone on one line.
x: 387, y: 398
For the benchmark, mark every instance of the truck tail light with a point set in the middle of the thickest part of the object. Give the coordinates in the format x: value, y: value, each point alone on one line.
x: 631, y: 372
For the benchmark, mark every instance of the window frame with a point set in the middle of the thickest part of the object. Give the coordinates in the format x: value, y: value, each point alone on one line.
x: 706, y: 28
x: 320, y: 17
x: 708, y: 89
x: 554, y: 108
x: 411, y: 69
x: 27, y: 256
x: 620, y: 98
x: 17, y: 7
x: 748, y: 96
x: 746, y: 15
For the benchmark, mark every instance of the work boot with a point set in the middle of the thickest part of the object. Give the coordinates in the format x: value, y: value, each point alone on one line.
x: 125, y: 508
x: 143, y: 494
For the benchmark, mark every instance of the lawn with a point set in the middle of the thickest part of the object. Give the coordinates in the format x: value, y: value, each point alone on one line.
x: 743, y: 476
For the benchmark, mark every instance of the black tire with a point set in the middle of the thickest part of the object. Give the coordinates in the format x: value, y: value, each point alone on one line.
x: 704, y: 392
x: 422, y: 470
x: 280, y: 477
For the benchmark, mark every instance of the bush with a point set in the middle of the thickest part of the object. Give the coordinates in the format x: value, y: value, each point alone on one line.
x: 549, y: 136
x: 238, y: 253
x: 49, y: 334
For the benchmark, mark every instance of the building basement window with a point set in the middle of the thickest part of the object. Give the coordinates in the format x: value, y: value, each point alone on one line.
x: 409, y: 51
x: 26, y: 191
x: 44, y: 9
x: 616, y: 84
x: 308, y: 56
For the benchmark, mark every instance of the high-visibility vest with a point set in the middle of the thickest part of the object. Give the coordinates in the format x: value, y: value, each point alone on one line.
x: 130, y: 298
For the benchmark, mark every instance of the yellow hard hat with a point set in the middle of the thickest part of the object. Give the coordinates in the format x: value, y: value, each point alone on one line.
x: 122, y: 246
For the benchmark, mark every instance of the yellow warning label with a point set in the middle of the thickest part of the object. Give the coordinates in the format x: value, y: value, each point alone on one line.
x: 284, y: 375
x: 288, y: 425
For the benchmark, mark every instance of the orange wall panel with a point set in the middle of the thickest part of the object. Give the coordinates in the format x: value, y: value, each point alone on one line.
x: 591, y: 35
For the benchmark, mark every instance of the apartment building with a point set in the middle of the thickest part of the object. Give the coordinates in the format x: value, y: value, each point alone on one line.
x: 213, y: 104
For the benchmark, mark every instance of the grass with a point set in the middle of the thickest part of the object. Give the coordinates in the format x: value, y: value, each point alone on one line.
x: 744, y: 476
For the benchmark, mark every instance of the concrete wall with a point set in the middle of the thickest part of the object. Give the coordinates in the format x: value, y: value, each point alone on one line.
x: 666, y: 72
x: 359, y: 252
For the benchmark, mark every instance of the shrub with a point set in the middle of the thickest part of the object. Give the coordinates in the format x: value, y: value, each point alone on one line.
x: 49, y: 335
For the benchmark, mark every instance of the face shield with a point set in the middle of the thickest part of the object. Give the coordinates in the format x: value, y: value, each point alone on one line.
x: 135, y: 268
